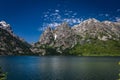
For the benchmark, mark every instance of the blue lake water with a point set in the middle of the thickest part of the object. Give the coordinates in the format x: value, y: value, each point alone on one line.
x: 60, y: 68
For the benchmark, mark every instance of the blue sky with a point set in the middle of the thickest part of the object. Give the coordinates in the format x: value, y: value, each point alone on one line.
x: 28, y: 18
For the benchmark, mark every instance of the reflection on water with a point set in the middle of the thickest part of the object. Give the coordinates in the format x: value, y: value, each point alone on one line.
x: 60, y: 68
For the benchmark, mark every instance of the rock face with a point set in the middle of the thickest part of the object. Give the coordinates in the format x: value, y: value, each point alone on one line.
x: 61, y: 38
x: 93, y: 28
x: 64, y: 38
x: 10, y: 44
x: 47, y: 37
x: 6, y: 26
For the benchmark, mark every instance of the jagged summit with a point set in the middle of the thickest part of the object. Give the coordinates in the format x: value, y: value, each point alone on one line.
x: 94, y: 28
x: 5, y: 26
x: 48, y: 29
x: 3, y: 23
x: 91, y: 20
x: 10, y: 44
x: 62, y: 26
x: 47, y: 36
x: 107, y: 22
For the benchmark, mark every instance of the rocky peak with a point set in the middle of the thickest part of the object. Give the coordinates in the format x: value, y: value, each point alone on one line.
x: 5, y: 26
x: 49, y: 29
x: 91, y: 20
x: 60, y: 38
x: 63, y: 26
x: 11, y: 44
x: 87, y: 25
x: 63, y: 34
x: 107, y: 22
x: 94, y: 28
x: 47, y: 36
x: 60, y: 32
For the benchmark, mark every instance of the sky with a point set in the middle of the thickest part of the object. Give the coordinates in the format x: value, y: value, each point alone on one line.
x: 29, y: 18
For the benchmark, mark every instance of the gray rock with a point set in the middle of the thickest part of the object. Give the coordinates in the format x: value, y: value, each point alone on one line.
x: 10, y: 44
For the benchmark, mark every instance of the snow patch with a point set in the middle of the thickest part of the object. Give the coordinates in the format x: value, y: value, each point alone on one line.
x: 55, y: 37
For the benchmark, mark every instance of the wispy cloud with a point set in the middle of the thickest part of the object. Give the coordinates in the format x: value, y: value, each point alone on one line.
x: 117, y: 19
x: 45, y: 25
x: 56, y: 10
x: 104, y: 15
x: 42, y: 28
x: 72, y: 21
x: 52, y: 25
x: 118, y: 10
x: 54, y: 18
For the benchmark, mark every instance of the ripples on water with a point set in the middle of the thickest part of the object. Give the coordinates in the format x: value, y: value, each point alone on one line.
x: 60, y: 68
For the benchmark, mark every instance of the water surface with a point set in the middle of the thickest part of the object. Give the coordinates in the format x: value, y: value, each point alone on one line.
x: 60, y: 68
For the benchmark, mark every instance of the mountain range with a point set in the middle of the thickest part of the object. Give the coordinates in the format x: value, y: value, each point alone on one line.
x: 11, y: 44
x: 88, y: 38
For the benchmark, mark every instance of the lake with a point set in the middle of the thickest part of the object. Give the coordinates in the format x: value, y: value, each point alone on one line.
x: 60, y: 68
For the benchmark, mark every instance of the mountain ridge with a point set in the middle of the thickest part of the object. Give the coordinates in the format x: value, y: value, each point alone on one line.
x: 63, y: 38
x: 89, y: 38
x: 10, y: 44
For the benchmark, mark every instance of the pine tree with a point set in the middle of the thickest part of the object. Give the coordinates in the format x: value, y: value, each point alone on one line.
x: 2, y: 75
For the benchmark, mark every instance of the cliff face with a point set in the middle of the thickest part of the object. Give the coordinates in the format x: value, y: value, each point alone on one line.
x: 93, y: 28
x: 10, y: 44
x: 59, y: 39
x: 63, y: 38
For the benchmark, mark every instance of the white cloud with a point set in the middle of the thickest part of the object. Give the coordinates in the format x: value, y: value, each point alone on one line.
x: 54, y: 14
x: 72, y: 21
x: 54, y: 18
x: 45, y: 25
x: 118, y: 10
x: 70, y: 11
x: 53, y: 25
x: 56, y: 10
x: 66, y: 14
x: 106, y: 15
x: 117, y: 19
x: 75, y: 14
x: 58, y: 17
x: 45, y: 15
x: 42, y: 28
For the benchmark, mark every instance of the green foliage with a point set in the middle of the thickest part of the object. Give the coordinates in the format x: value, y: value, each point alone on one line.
x: 97, y: 48
x: 49, y: 50
x: 93, y: 47
x: 3, y: 76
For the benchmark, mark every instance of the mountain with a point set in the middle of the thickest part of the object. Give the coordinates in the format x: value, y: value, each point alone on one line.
x: 101, y: 30
x: 55, y: 41
x: 89, y: 38
x: 10, y: 44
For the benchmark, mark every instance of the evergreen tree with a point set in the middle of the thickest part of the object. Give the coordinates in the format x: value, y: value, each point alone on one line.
x: 2, y: 75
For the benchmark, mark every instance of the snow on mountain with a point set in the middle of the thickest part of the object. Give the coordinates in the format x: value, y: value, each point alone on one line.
x: 5, y: 26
